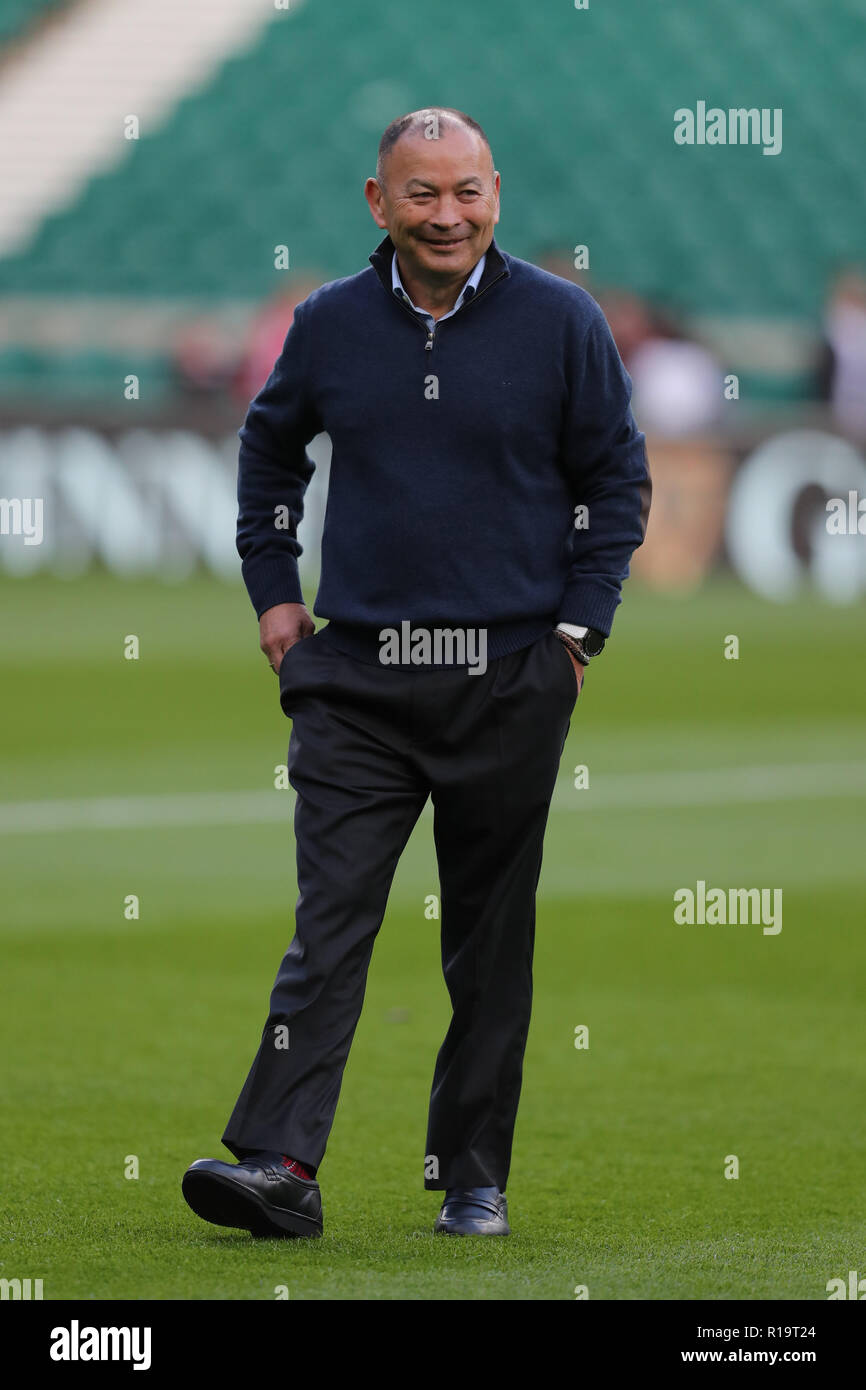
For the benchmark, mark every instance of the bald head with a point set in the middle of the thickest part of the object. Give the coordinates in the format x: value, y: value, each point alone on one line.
x: 437, y: 193
x: 429, y: 123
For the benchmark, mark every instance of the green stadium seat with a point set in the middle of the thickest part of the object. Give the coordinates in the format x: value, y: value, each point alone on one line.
x: 17, y: 16
x: 580, y: 112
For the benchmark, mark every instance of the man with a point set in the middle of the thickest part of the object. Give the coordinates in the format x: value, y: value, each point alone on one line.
x: 488, y: 487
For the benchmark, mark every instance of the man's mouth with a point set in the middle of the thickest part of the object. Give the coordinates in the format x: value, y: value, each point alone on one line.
x: 454, y: 241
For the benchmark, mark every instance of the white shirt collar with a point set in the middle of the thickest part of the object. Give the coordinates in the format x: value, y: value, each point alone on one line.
x: 471, y: 284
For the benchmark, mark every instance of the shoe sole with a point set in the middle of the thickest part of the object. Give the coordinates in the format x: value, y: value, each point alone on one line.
x: 450, y: 1231
x: 226, y: 1203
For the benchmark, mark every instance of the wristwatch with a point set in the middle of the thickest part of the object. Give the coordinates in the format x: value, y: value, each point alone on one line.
x: 582, y: 648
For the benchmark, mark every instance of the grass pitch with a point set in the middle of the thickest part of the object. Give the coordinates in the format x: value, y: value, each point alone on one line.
x: 131, y: 1037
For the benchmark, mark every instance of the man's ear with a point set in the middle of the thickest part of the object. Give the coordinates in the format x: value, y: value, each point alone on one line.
x: 374, y: 196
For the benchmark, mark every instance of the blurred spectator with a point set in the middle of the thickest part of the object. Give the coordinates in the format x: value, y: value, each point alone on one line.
x: 561, y: 263
x: 266, y: 336
x: 210, y: 360
x: 629, y: 318
x: 843, y: 372
x: 678, y: 384
x: 205, y: 357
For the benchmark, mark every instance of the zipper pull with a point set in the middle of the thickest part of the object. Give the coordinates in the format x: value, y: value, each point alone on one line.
x: 428, y: 346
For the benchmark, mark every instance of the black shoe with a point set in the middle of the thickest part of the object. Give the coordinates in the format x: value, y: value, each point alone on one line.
x: 473, y: 1211
x: 258, y: 1195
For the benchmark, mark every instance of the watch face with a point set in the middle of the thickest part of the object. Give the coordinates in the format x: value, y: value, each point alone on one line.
x: 593, y: 642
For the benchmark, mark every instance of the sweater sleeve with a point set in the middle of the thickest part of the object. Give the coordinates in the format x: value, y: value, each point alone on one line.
x: 273, y: 472
x: 606, y: 464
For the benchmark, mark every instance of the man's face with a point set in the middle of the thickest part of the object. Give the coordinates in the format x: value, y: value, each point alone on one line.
x: 440, y: 202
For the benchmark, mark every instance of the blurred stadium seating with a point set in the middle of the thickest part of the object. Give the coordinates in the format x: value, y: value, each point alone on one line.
x: 579, y: 108
x: 159, y: 265
x: 17, y: 16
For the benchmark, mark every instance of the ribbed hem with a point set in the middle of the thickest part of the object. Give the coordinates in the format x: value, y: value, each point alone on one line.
x: 365, y: 643
x: 589, y: 605
x: 272, y: 580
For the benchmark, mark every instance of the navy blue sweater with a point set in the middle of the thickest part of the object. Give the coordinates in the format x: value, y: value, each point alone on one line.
x: 451, y: 501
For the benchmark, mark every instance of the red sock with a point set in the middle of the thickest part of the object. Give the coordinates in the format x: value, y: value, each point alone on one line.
x: 295, y: 1167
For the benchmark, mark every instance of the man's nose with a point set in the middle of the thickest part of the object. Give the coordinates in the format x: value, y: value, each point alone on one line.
x: 448, y: 214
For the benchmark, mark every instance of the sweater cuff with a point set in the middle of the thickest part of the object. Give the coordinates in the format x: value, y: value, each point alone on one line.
x: 271, y: 580
x: 589, y: 605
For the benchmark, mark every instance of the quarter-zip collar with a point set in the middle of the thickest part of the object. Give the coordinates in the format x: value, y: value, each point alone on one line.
x: 467, y: 293
x: 495, y: 267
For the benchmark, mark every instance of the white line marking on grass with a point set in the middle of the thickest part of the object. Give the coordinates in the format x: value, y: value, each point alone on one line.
x: 620, y: 791
x: 729, y: 786
x: 145, y: 812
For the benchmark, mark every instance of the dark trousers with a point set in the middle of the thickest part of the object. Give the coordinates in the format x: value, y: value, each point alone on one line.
x: 369, y: 744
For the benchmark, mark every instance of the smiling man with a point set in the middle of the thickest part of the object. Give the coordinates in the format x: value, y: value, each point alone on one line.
x: 488, y: 487
x: 438, y: 244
